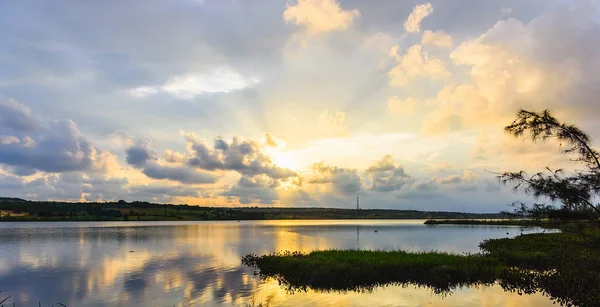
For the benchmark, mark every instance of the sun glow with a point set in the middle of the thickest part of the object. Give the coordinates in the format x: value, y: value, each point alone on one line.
x: 284, y: 159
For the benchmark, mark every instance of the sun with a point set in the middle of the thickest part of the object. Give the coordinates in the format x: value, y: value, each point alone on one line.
x: 284, y: 159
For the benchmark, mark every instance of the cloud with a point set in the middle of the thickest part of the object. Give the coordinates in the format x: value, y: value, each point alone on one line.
x: 413, y: 22
x: 416, y: 64
x: 190, y: 85
x: 461, y: 106
x: 506, y: 10
x: 454, y: 179
x: 79, y: 186
x: 398, y: 106
x: 272, y: 141
x: 421, y: 189
x: 386, y: 176
x: 198, y: 164
x: 174, y: 156
x: 342, y: 180
x: 333, y: 125
x: 14, y: 115
x: 257, y: 189
x: 181, y: 174
x: 71, y: 186
x: 438, y: 39
x: 319, y: 16
x: 242, y: 156
x: 141, y: 157
x: 549, y: 63
x: 138, y: 155
x: 57, y: 147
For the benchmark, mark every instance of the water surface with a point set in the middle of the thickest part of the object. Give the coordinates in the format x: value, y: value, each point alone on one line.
x: 199, y: 263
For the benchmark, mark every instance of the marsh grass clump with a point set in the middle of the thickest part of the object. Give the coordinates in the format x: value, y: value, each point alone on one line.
x: 564, y: 266
x: 363, y: 270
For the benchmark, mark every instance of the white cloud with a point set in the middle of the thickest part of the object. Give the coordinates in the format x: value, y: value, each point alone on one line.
x: 333, y: 125
x: 416, y: 64
x: 506, y: 10
x: 187, y: 86
x: 320, y: 16
x: 549, y: 63
x: 402, y: 107
x: 413, y: 22
x: 438, y: 39
x: 143, y: 91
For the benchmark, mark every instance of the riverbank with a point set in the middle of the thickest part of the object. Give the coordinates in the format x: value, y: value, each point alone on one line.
x: 22, y: 210
x: 499, y: 222
x: 564, y: 266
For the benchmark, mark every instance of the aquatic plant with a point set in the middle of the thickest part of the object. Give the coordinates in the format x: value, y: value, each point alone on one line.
x: 564, y: 266
x: 253, y: 302
x: 3, y: 301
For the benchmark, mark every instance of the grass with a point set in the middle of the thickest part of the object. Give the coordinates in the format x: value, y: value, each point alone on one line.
x: 564, y: 266
x: 363, y: 270
x: 3, y: 301
x: 253, y: 302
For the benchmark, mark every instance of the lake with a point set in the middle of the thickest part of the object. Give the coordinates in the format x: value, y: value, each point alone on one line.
x: 199, y: 263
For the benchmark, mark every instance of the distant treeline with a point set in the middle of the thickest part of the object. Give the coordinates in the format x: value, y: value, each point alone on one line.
x: 23, y: 210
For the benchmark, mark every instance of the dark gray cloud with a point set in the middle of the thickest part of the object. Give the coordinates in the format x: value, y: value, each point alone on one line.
x: 257, y: 189
x: 386, y: 176
x: 141, y: 157
x: 56, y: 147
x: 10, y: 182
x: 243, y: 156
x: 20, y: 170
x: 181, y: 174
x: 14, y: 115
x: 342, y: 180
x: 138, y: 155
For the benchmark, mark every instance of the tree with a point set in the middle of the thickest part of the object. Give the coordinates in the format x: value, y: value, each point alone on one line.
x: 575, y: 192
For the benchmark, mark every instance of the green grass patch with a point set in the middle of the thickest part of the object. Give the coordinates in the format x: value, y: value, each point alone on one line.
x: 564, y: 266
x: 363, y: 270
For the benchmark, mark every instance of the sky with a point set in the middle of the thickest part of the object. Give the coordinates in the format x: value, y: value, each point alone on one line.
x: 305, y: 103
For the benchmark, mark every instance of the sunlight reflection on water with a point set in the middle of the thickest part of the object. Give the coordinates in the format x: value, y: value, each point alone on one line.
x: 199, y: 263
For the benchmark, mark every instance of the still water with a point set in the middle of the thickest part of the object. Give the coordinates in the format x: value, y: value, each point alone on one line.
x: 199, y: 263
